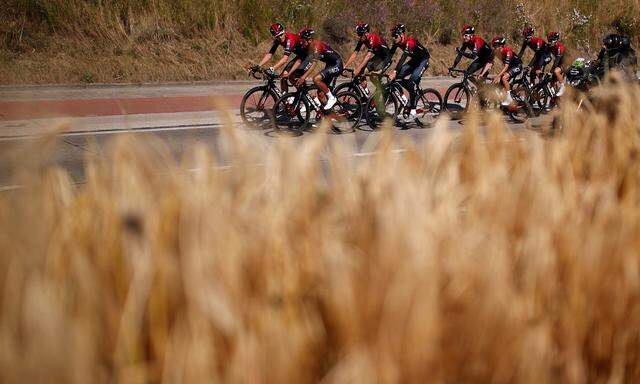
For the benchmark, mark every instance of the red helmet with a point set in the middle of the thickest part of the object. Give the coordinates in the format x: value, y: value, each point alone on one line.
x: 528, y: 32
x: 498, y: 41
x: 276, y: 29
x: 362, y: 28
x: 307, y: 32
x: 553, y: 37
x: 468, y: 30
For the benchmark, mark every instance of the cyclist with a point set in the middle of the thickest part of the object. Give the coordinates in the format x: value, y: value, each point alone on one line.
x: 556, y: 51
x: 414, y: 68
x: 480, y: 52
x: 512, y: 66
x: 540, y: 52
x: 377, y: 57
x: 291, y: 43
x: 319, y: 50
x: 617, y: 53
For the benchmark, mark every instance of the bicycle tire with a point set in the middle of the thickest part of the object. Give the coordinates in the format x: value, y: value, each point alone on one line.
x: 246, y: 115
x: 288, y: 116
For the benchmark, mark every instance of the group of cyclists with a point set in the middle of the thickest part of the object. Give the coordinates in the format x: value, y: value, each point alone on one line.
x: 616, y: 52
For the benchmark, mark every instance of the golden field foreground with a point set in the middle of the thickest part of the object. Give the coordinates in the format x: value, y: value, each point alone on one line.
x: 477, y: 257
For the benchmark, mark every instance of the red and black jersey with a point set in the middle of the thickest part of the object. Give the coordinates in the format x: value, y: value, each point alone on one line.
x: 412, y: 48
x: 375, y: 43
x: 291, y: 44
x: 478, y: 47
x: 557, y: 50
x: 536, y: 44
x: 323, y: 52
x: 508, y: 57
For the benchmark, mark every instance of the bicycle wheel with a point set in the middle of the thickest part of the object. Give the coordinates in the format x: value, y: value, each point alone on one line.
x: 523, y: 92
x: 520, y: 110
x: 429, y: 106
x: 347, y: 112
x: 290, y: 113
x: 376, y: 114
x: 256, y: 106
x: 456, y: 99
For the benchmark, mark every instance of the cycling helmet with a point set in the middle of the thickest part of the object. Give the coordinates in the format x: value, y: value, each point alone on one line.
x: 362, y: 28
x: 398, y: 30
x: 528, y: 32
x: 498, y: 41
x: 307, y: 33
x: 276, y: 29
x: 553, y: 37
x: 468, y: 30
x: 612, y: 41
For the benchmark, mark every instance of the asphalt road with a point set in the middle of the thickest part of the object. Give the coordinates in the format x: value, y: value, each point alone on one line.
x: 67, y: 142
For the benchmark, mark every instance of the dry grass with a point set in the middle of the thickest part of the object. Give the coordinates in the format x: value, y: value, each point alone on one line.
x: 474, y: 257
x: 62, y: 41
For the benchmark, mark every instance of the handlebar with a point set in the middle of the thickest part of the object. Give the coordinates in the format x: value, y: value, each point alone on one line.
x: 259, y: 73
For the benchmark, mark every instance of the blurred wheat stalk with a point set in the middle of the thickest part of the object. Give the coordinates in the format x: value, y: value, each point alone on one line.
x: 471, y: 258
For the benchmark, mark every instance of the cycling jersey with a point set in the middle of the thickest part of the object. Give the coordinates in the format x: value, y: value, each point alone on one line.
x: 478, y: 47
x: 535, y: 43
x: 291, y: 44
x: 412, y: 48
x: 480, y: 52
x: 508, y: 57
x: 557, y: 52
x: 323, y: 52
x: 375, y: 44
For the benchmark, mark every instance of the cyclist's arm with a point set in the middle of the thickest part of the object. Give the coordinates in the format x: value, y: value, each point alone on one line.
x: 556, y: 62
x: 311, y: 67
x: 533, y: 60
x: 403, y: 58
x: 364, y: 62
x: 522, y: 48
x: 462, y: 52
x: 265, y: 59
x: 281, y: 62
x: 502, y: 71
x: 295, y: 66
x: 269, y: 54
x: 351, y: 59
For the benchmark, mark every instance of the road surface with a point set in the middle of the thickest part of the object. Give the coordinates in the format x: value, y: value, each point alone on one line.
x: 79, y: 121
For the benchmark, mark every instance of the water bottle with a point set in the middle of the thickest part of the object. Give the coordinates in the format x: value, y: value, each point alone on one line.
x: 316, y: 102
x: 404, y: 99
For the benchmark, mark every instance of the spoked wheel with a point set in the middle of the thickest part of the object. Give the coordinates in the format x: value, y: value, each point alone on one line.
x: 523, y: 93
x: 256, y: 107
x: 520, y: 110
x: 346, y: 113
x: 291, y: 113
x: 429, y: 106
x: 456, y: 99
x: 378, y: 111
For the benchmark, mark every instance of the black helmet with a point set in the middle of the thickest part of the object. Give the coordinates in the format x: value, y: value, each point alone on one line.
x: 553, y: 37
x: 498, y: 41
x: 276, y: 29
x: 307, y: 33
x: 398, y: 30
x: 362, y: 28
x: 468, y: 30
x: 612, y: 41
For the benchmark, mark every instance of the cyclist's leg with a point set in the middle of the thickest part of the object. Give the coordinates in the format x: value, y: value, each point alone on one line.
x: 285, y: 73
x: 416, y: 76
x: 325, y: 78
x: 474, y: 67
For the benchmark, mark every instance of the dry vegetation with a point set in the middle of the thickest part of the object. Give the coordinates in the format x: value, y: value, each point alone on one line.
x: 474, y: 257
x: 60, y: 41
